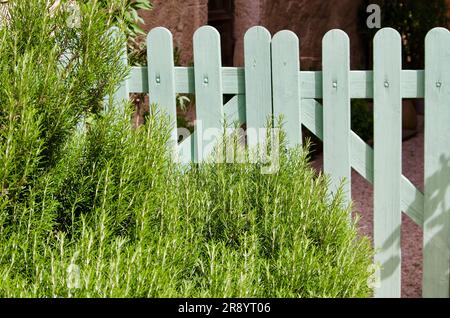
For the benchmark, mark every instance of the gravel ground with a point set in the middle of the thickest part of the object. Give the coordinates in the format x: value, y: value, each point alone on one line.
x: 411, y: 239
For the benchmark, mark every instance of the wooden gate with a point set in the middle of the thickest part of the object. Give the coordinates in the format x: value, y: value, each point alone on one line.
x: 272, y: 83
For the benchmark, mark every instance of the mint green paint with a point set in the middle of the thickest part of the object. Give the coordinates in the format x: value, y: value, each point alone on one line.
x: 361, y: 156
x: 310, y: 83
x: 387, y: 159
x: 436, y: 229
x: 285, y: 84
x: 122, y: 93
x: 161, y: 79
x: 234, y: 112
x: 187, y: 150
x: 208, y: 89
x: 336, y: 110
x: 258, y: 80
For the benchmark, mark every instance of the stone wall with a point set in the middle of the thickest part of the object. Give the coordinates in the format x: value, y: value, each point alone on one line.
x: 182, y: 18
x: 309, y: 19
x: 248, y: 13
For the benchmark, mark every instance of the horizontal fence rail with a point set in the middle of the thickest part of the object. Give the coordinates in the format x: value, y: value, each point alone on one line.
x: 272, y: 83
x: 310, y: 82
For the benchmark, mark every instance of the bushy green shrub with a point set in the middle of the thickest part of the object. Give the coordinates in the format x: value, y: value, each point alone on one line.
x: 136, y: 225
x: 104, y: 212
x: 53, y: 72
x: 51, y: 75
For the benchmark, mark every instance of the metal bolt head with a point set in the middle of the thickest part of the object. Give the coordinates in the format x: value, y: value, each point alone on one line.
x: 438, y: 84
x: 206, y: 80
x: 386, y: 84
x: 334, y: 84
x: 158, y: 80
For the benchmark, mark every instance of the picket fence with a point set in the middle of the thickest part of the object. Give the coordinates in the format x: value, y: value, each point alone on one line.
x: 271, y: 83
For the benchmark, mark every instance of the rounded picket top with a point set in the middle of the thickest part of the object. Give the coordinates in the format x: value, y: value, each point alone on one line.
x: 160, y: 33
x: 207, y: 44
x: 257, y: 32
x: 336, y: 35
x: 388, y: 35
x: 114, y: 31
x: 285, y: 36
x: 436, y: 34
x: 285, y: 84
x: 285, y: 44
x: 437, y: 40
x: 207, y: 33
x: 335, y: 40
x: 159, y: 43
x: 388, y: 31
x: 437, y: 115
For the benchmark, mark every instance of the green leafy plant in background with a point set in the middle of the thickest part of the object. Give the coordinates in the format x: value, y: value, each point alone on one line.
x: 412, y: 19
x: 362, y: 119
x: 124, y: 13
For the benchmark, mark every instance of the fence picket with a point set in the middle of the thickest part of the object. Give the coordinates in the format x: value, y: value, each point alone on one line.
x: 285, y: 84
x: 258, y: 80
x: 336, y: 109
x: 161, y: 76
x: 208, y: 88
x: 387, y: 159
x: 436, y: 229
x: 122, y: 94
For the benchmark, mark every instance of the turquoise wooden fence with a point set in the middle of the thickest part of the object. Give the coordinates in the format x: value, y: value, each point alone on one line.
x: 271, y: 83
